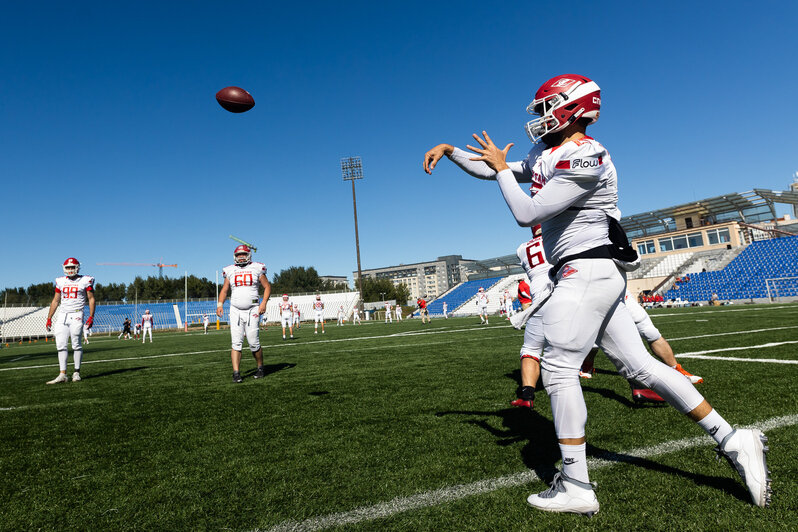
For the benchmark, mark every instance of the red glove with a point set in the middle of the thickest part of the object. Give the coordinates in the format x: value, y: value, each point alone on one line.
x: 89, y: 322
x: 49, y: 324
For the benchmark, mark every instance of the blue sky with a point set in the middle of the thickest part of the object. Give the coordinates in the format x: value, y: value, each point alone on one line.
x: 113, y: 149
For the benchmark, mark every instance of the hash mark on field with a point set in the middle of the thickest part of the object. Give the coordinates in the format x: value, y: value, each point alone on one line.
x: 461, y: 491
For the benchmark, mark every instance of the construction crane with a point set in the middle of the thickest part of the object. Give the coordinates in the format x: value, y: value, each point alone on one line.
x: 252, y: 247
x: 159, y: 265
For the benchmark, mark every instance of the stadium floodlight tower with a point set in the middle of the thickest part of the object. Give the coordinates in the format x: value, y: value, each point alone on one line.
x: 352, y: 169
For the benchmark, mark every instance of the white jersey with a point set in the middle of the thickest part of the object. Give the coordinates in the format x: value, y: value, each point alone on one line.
x: 580, y: 189
x: 286, y: 309
x: 482, y: 299
x: 73, y: 291
x: 205, y: 320
x: 244, y: 282
x: 318, y: 305
x: 388, y: 307
x: 146, y: 320
x: 533, y: 260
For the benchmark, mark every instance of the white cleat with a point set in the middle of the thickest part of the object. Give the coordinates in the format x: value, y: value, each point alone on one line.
x: 58, y: 380
x: 566, y: 495
x: 76, y: 377
x: 745, y: 450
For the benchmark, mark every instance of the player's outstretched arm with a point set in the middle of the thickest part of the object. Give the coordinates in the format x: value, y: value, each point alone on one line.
x: 267, y: 291
x: 434, y: 155
x: 222, y: 297
x: 477, y: 169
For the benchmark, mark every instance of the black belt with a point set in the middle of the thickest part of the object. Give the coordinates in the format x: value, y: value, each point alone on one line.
x: 601, y: 252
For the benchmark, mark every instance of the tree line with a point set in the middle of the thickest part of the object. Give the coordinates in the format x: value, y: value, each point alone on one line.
x: 288, y: 281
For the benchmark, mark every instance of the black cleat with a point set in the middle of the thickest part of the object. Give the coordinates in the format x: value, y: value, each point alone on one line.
x: 237, y: 378
x: 260, y: 373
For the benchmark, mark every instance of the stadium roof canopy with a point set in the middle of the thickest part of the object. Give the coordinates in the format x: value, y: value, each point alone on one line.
x: 504, y: 265
x: 757, y: 205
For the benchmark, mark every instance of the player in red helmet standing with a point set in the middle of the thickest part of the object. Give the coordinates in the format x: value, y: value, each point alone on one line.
x: 242, y: 279
x: 72, y: 291
x: 582, y: 237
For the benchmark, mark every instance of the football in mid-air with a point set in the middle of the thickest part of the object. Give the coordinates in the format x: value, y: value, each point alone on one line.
x: 235, y: 99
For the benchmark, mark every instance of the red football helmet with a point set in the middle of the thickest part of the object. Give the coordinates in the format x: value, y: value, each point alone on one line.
x: 245, y: 252
x: 71, y: 267
x: 560, y: 102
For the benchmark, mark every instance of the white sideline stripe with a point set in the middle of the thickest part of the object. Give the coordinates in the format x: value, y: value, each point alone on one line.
x: 738, y: 359
x: 721, y: 311
x: 274, y: 346
x: 741, y: 348
x: 461, y: 491
x: 733, y: 332
x: 51, y: 405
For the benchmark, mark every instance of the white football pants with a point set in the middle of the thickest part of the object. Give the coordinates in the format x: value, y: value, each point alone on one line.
x: 586, y: 307
x: 244, y: 323
x: 145, y: 330
x: 68, y: 325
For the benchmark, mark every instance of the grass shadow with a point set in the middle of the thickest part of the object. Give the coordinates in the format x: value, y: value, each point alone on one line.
x: 112, y: 372
x: 271, y: 368
x: 729, y: 485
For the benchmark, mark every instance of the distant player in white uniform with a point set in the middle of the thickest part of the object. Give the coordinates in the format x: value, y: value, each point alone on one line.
x: 398, y: 311
x: 482, y: 305
x: 577, y: 207
x: 445, y: 310
x: 508, y: 304
x: 205, y: 322
x: 297, y: 316
x: 73, y: 292
x: 242, y: 280
x: 137, y: 331
x: 356, y: 316
x: 287, y: 315
x: 318, y: 315
x: 146, y: 325
x: 341, y: 315
x: 388, y: 313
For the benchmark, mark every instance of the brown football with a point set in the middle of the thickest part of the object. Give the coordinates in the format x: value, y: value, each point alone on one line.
x: 235, y: 99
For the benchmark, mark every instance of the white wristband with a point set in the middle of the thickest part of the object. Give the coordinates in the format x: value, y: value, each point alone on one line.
x: 219, y: 304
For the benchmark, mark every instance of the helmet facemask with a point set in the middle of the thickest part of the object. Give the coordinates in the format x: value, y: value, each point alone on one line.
x: 71, y: 267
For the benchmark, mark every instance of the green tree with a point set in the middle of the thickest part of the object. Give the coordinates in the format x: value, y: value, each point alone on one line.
x: 383, y: 289
x: 296, y: 279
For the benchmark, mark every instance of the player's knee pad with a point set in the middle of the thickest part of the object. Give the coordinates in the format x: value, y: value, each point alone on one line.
x: 567, y: 403
x: 254, y: 347
x: 677, y: 390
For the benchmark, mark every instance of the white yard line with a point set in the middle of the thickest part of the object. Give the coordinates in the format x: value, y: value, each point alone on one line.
x: 700, y: 354
x: 732, y: 333
x: 685, y: 315
x: 461, y: 491
x: 51, y: 405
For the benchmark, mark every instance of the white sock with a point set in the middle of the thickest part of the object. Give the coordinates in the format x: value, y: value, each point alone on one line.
x: 714, y: 424
x: 62, y: 359
x: 77, y: 356
x: 574, y: 461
